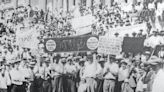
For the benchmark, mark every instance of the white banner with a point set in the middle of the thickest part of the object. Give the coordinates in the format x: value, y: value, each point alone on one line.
x: 83, y: 31
x: 110, y: 45
x: 27, y: 38
x: 127, y: 30
x: 23, y: 2
x: 82, y: 23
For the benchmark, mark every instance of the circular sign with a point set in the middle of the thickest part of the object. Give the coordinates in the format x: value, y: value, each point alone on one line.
x: 92, y: 43
x: 50, y: 45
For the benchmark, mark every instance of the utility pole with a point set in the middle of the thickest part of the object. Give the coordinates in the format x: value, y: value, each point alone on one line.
x: 30, y: 2
x: 16, y: 3
x: 46, y: 5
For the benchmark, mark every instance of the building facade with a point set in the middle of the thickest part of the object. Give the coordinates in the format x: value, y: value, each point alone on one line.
x: 51, y: 4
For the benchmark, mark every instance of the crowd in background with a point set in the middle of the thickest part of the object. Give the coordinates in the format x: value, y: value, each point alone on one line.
x: 80, y: 72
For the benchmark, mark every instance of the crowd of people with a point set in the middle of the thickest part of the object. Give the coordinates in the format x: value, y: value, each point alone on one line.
x: 83, y: 72
x: 23, y: 71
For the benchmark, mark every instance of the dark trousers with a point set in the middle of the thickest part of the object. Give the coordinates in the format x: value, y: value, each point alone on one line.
x: 9, y: 88
x: 38, y: 84
x: 65, y: 83
x: 71, y: 85
x: 32, y: 87
x: 47, y: 87
x: 100, y: 85
x: 57, y: 84
x: 3, y: 90
x: 134, y: 89
x: 18, y: 88
x: 119, y: 86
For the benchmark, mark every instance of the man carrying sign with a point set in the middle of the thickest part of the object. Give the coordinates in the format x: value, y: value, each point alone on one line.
x: 110, y: 74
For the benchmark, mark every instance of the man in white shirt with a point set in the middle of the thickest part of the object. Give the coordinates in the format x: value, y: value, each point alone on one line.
x: 3, y: 80
x: 46, y: 75
x: 123, y: 74
x: 31, y: 77
x: 26, y: 54
x: 16, y: 78
x: 155, y: 64
x: 99, y: 74
x: 158, y: 83
x: 7, y: 73
x: 161, y: 53
x: 82, y: 82
x: 23, y: 67
x: 110, y: 74
x: 57, y: 71
x: 71, y: 71
x: 90, y: 74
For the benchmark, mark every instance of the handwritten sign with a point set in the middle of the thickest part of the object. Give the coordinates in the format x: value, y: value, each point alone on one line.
x: 110, y: 45
x: 27, y: 38
x: 84, y: 26
x: 23, y: 2
x: 147, y: 15
x: 68, y: 44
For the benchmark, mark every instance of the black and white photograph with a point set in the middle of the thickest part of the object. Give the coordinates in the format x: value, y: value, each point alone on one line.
x: 81, y: 45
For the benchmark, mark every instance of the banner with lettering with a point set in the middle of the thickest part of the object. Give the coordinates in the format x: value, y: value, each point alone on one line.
x: 133, y: 45
x: 27, y: 38
x: 110, y: 45
x: 127, y: 30
x: 71, y: 44
x: 82, y: 24
x: 23, y: 2
x: 147, y: 15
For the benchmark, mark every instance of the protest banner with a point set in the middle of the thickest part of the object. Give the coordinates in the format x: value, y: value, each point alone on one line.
x: 82, y: 25
x: 27, y: 38
x: 34, y: 3
x: 147, y: 14
x: 133, y: 45
x: 83, y: 30
x: 23, y: 2
x: 110, y: 45
x: 7, y: 4
x: 127, y: 30
x: 71, y: 44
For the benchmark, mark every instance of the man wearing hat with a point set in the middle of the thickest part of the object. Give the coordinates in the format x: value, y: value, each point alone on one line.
x: 161, y: 53
x: 3, y: 80
x: 26, y: 54
x: 42, y: 74
x: 155, y: 63
x: 110, y: 74
x: 116, y: 34
x: 145, y: 56
x: 31, y: 77
x: 99, y: 74
x: 57, y: 71
x: 76, y: 62
x: 23, y: 67
x: 157, y: 85
x: 82, y: 82
x: 7, y: 73
x: 71, y: 71
x: 46, y: 75
x: 90, y: 72
x: 16, y: 78
x: 123, y: 74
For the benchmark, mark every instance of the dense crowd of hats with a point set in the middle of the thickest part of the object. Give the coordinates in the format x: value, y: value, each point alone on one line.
x: 58, y: 25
